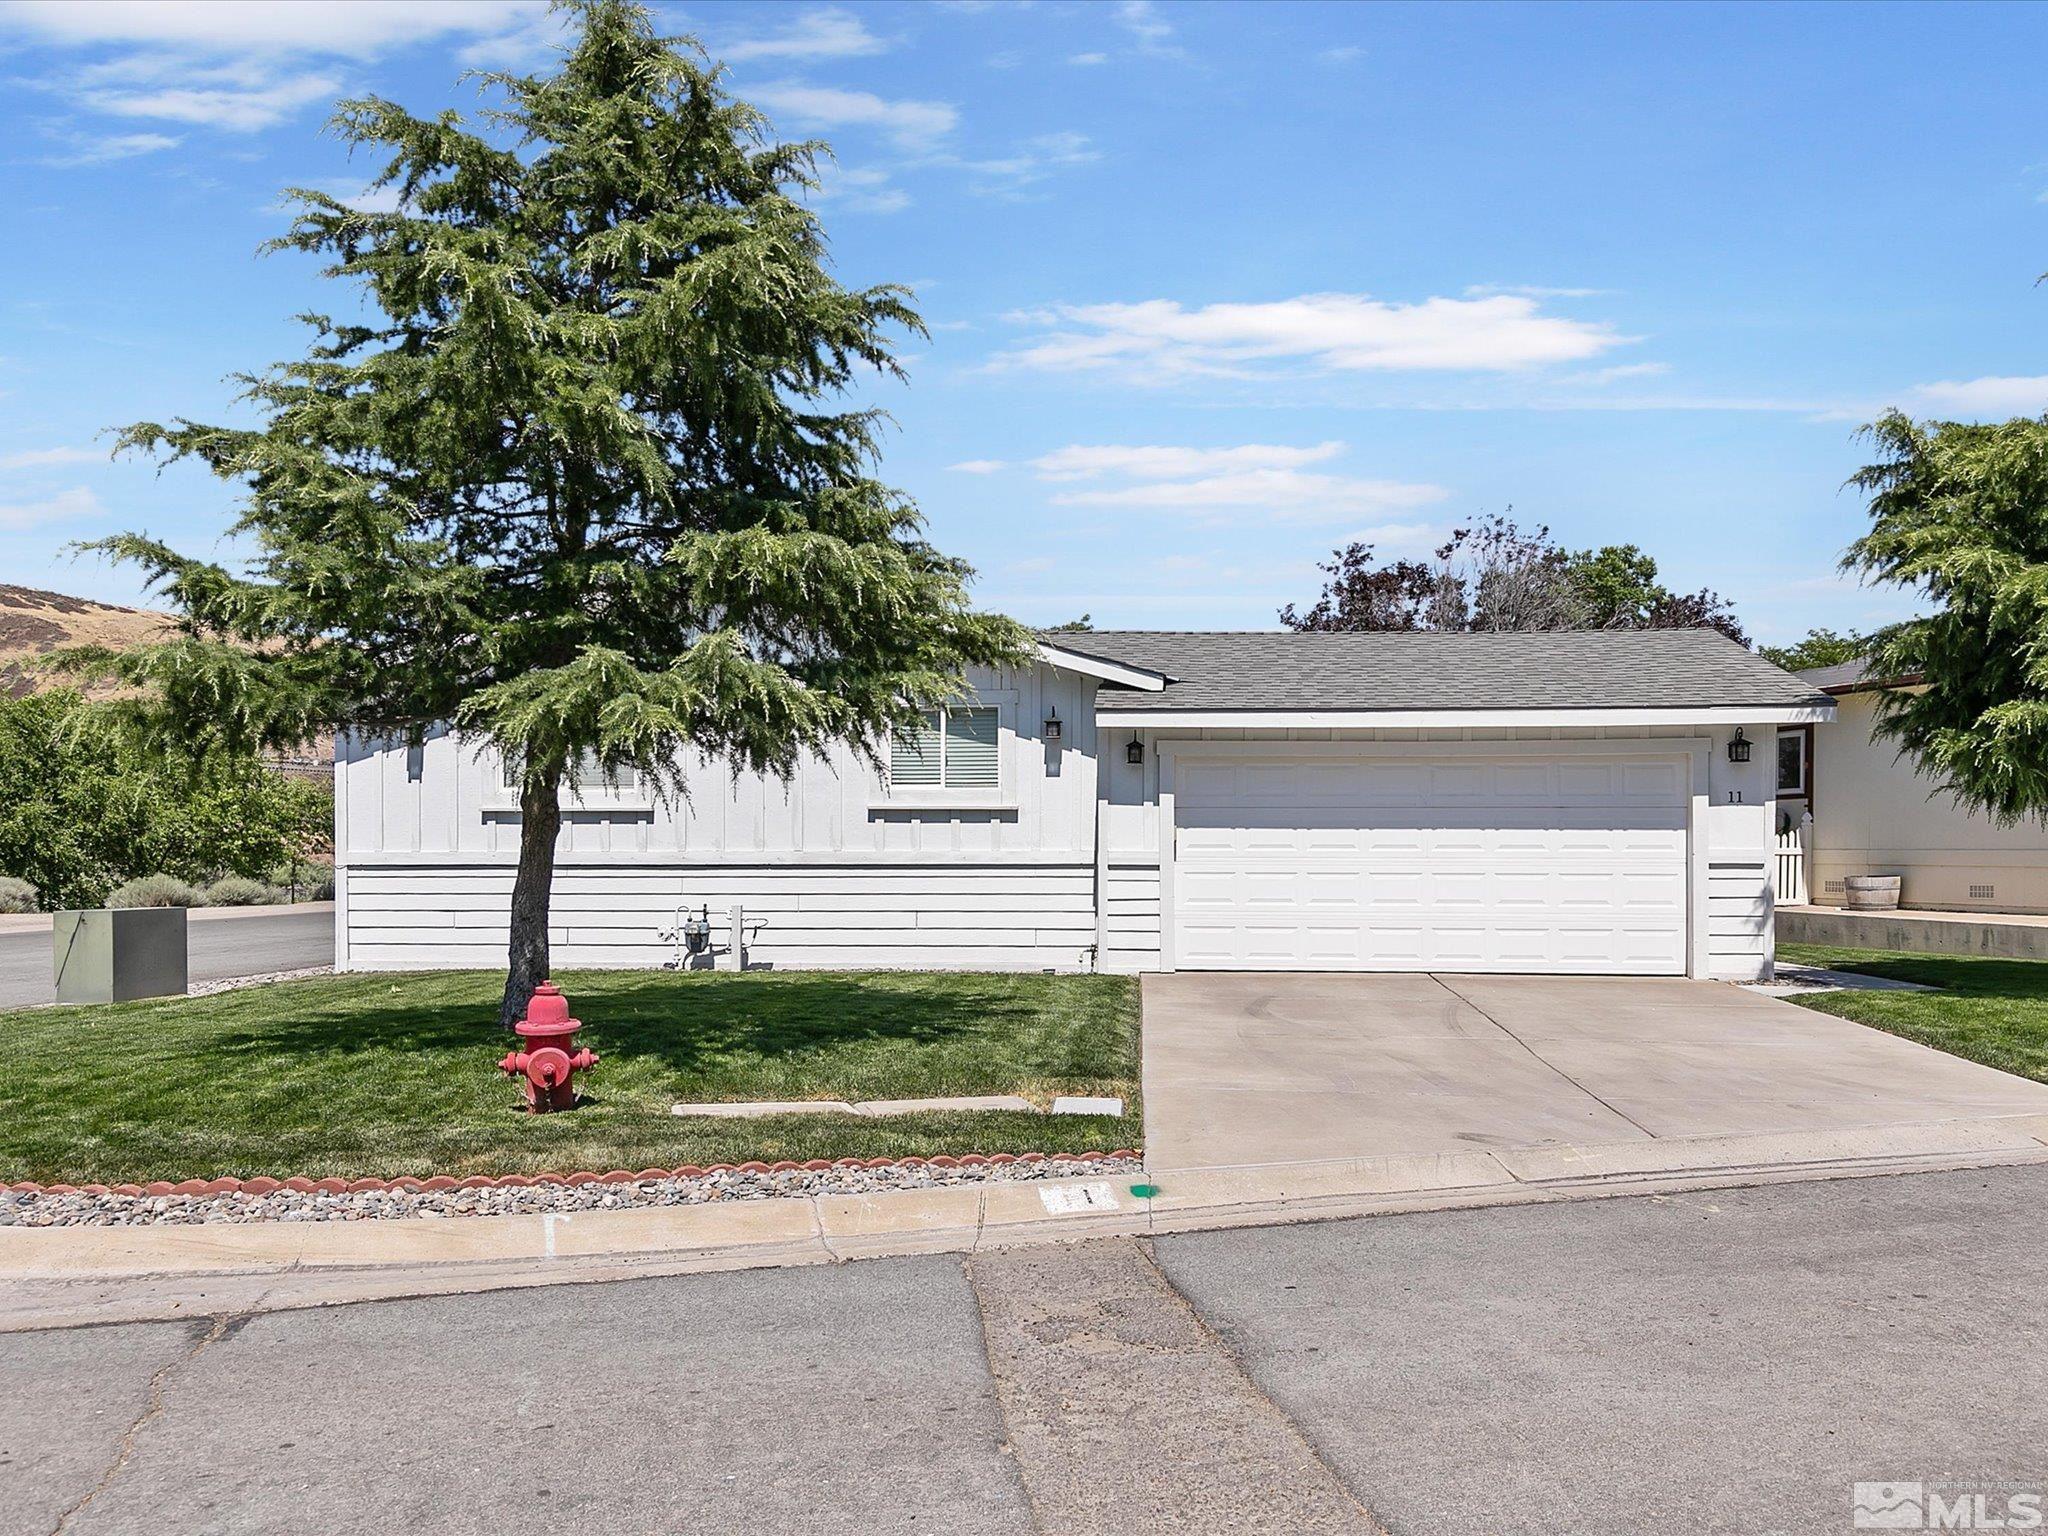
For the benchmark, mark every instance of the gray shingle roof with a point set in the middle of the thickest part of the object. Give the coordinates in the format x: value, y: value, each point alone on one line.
x: 1378, y: 670
x: 1857, y: 676
x: 1844, y: 674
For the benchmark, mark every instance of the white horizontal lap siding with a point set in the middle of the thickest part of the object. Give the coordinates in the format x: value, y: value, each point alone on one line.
x: 1130, y: 918
x: 1739, y: 912
x: 1004, y: 915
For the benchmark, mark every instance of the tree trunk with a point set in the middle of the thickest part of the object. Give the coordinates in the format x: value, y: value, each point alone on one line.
x: 526, y: 961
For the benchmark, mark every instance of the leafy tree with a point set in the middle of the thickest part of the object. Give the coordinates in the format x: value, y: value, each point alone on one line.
x: 587, y: 482
x: 82, y: 810
x: 1959, y: 514
x: 1618, y: 589
x: 1496, y: 576
x: 1818, y: 648
x: 1617, y: 585
x: 1080, y: 626
x: 1362, y: 594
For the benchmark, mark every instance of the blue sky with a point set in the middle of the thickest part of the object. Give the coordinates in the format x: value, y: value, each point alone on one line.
x: 1213, y: 288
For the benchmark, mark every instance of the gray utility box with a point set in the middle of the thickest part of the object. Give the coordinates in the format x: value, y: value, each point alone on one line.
x: 112, y: 955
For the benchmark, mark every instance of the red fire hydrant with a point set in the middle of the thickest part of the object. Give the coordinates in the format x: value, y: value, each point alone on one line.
x: 551, y: 1058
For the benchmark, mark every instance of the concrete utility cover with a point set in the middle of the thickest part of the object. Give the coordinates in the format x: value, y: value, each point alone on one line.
x: 1242, y: 1070
x: 1077, y: 1104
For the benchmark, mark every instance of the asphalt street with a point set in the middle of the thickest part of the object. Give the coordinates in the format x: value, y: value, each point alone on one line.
x: 1732, y: 1361
x: 219, y: 945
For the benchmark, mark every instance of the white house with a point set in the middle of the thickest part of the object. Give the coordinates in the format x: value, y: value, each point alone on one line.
x: 1875, y: 814
x: 1586, y: 801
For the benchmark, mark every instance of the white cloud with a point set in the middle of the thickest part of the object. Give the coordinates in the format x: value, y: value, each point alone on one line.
x: 977, y: 466
x: 1991, y: 396
x: 1281, y: 495
x: 106, y: 148
x: 244, y: 65
x: 821, y: 34
x: 351, y: 28
x: 527, y: 47
x: 1151, y: 31
x: 1271, y: 478
x: 860, y: 189
x: 913, y: 124
x: 1159, y: 339
x: 1087, y: 59
x: 1085, y: 462
x: 1035, y: 160
x: 1621, y: 371
x: 241, y: 97
x: 35, y: 458
x: 1530, y: 291
x: 77, y: 502
x: 1344, y: 55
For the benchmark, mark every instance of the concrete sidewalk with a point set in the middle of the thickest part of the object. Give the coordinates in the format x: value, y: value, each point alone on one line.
x: 63, y: 1275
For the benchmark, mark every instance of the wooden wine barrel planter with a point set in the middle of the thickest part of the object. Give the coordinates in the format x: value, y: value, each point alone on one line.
x: 1871, y: 893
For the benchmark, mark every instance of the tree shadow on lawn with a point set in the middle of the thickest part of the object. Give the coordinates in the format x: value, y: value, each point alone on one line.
x: 2019, y: 981
x: 702, y: 1026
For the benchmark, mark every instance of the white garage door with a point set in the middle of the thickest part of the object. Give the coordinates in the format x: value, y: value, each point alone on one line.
x: 1524, y: 863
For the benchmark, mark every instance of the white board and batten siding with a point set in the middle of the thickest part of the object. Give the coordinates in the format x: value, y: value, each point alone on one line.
x: 1599, y: 850
x: 834, y: 867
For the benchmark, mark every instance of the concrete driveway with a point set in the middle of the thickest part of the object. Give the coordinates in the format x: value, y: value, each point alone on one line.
x: 1245, y: 1070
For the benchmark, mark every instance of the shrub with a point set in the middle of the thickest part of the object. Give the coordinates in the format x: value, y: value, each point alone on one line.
x: 240, y: 891
x: 305, y: 880
x: 20, y: 896
x: 83, y: 807
x: 155, y: 891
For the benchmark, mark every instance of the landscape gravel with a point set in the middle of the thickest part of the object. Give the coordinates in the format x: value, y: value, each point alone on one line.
x: 236, y: 983
x: 33, y: 1208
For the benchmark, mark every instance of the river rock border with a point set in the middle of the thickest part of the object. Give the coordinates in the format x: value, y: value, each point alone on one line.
x: 194, y: 1201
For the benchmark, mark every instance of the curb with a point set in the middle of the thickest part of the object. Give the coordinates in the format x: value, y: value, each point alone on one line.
x: 440, y: 1181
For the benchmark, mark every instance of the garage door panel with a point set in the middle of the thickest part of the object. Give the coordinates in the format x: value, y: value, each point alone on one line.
x: 1419, y: 864
x: 1655, y: 781
x: 1525, y: 781
x: 1526, y: 947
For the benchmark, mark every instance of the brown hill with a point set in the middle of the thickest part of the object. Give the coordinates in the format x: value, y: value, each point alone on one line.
x: 33, y: 623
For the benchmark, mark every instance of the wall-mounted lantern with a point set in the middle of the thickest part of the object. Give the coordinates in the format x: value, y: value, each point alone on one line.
x: 1134, y: 754
x: 1052, y: 724
x: 1738, y: 747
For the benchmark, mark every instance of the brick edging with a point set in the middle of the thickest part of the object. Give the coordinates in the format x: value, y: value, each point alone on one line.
x: 264, y: 1185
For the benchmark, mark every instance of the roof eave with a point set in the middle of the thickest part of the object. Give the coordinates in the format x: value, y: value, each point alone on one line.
x: 1817, y: 709
x: 1877, y: 684
x: 1101, y: 667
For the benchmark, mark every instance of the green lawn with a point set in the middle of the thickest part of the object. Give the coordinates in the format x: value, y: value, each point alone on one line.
x: 382, y: 1075
x: 1993, y: 1011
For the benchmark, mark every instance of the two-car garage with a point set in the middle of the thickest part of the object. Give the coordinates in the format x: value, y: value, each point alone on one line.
x: 1567, y: 801
x: 1319, y: 858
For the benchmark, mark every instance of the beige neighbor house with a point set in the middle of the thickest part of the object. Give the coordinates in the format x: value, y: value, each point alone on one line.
x: 1590, y: 802
x: 1854, y: 806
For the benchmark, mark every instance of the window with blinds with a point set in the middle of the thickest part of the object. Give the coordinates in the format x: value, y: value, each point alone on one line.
x: 947, y: 749
x: 587, y: 777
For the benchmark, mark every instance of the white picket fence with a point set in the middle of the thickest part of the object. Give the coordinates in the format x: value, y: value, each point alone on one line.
x: 1791, y: 883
